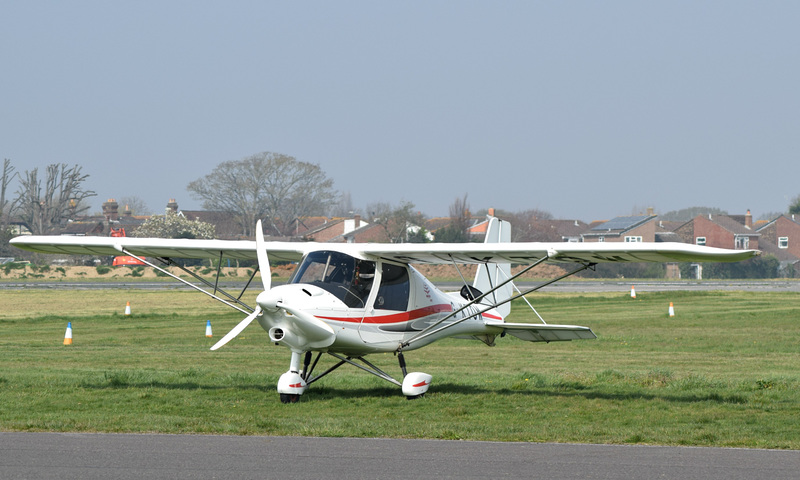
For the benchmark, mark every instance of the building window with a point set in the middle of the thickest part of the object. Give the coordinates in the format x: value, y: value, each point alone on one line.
x: 633, y: 238
x: 783, y: 242
x: 700, y: 241
x: 742, y: 243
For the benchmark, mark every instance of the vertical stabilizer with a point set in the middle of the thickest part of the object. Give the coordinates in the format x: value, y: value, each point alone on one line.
x: 491, y: 274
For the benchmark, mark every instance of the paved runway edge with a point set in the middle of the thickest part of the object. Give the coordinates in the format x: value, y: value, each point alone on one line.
x: 128, y: 456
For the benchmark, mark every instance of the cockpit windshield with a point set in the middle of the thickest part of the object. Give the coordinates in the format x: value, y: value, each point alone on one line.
x: 346, y: 277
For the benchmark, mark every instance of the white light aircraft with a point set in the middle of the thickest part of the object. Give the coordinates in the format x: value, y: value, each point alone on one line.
x: 351, y: 300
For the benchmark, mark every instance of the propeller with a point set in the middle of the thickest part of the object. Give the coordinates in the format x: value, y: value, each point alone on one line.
x: 266, y: 280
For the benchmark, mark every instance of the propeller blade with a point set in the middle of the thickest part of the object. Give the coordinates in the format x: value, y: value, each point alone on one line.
x: 263, y: 259
x: 237, y: 329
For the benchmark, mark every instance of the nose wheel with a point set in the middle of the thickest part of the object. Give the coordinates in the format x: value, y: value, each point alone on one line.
x: 289, y: 397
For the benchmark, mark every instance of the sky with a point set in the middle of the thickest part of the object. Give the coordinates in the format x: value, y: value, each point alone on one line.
x: 587, y: 110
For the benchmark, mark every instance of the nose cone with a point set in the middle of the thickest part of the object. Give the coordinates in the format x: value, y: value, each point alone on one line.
x: 268, y: 300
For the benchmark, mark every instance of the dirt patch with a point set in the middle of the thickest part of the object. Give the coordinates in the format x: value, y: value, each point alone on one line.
x: 468, y: 271
x: 32, y: 272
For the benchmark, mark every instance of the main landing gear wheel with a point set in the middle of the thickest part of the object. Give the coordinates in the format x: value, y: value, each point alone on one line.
x: 415, y: 384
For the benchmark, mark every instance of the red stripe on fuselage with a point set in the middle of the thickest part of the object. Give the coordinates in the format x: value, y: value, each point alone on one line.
x: 396, y: 317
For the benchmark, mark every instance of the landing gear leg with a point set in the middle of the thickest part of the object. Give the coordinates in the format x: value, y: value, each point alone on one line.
x: 306, y: 363
x: 402, y: 360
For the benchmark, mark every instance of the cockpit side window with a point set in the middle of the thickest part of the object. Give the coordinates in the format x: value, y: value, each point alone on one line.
x: 394, y: 290
x: 346, y: 277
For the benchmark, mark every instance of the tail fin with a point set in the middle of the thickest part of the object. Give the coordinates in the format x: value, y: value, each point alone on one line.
x: 491, y: 274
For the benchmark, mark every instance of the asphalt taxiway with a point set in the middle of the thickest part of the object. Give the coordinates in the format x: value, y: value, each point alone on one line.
x: 30, y: 455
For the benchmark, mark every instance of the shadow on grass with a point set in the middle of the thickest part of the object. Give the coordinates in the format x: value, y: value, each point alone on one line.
x: 118, y: 385
x: 321, y: 391
x: 588, y: 393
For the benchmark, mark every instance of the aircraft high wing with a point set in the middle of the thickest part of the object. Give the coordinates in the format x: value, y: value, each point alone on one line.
x: 350, y: 300
x: 425, y: 253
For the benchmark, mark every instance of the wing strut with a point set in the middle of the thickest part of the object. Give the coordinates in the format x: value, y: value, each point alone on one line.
x: 427, y: 331
x: 432, y: 330
x: 204, y: 281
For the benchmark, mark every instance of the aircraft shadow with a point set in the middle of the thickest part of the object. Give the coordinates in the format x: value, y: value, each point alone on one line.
x: 555, y: 392
x: 321, y: 391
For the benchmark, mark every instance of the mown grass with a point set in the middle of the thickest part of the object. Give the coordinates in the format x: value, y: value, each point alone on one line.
x: 722, y: 372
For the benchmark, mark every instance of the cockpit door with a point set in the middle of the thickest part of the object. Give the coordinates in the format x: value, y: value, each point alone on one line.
x: 387, y: 312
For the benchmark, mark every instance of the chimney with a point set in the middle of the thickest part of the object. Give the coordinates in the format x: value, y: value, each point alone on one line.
x: 748, y: 220
x: 491, y: 212
x: 356, y: 221
x: 111, y: 209
x: 127, y: 211
x: 650, y: 211
x: 172, y: 206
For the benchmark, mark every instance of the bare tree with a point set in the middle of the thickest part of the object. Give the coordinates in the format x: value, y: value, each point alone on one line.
x: 270, y: 186
x: 401, y: 224
x: 136, y: 205
x: 6, y: 233
x: 61, y: 198
x: 7, y: 176
x: 527, y: 226
x: 344, y: 206
x: 460, y: 219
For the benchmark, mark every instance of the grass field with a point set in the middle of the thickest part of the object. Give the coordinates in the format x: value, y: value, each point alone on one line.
x: 723, y: 372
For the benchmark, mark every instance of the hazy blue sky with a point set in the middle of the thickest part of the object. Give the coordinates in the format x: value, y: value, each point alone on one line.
x: 588, y: 110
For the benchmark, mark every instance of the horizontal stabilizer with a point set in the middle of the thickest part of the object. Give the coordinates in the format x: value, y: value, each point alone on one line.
x: 539, y: 332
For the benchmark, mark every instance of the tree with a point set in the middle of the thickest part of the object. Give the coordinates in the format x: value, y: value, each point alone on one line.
x: 344, y: 206
x: 136, y: 205
x: 270, y: 186
x: 686, y: 214
x: 63, y: 195
x: 173, y: 225
x: 527, y: 226
x: 456, y: 230
x: 401, y: 224
x: 794, y: 207
x: 7, y: 176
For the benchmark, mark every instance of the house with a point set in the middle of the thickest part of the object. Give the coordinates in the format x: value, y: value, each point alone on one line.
x: 783, y: 233
x: 635, y: 228
x: 328, y: 232
x: 367, y: 233
x: 478, y: 229
x: 665, y: 231
x: 559, y: 230
x: 781, y: 238
x: 723, y: 231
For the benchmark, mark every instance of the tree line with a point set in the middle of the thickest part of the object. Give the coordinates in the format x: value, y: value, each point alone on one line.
x: 273, y: 187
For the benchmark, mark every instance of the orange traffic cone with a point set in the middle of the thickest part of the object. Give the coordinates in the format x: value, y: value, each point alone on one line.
x: 68, y: 335
x: 128, y: 309
x: 671, y: 310
x: 633, y: 292
x: 208, y: 329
